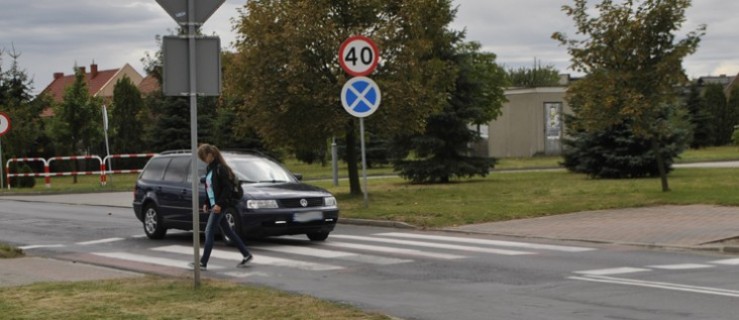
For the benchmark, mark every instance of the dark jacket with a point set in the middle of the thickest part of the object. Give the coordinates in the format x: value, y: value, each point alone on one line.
x: 222, y: 185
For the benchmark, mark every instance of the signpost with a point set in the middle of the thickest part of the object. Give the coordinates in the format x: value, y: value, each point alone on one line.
x: 187, y: 14
x: 4, y: 128
x: 360, y: 96
x: 358, y: 56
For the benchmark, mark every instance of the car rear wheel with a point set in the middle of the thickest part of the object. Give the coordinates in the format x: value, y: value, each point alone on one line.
x: 234, y: 222
x: 153, y: 226
x: 317, y: 236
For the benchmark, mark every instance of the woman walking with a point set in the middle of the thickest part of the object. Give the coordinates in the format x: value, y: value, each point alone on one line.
x: 218, y: 186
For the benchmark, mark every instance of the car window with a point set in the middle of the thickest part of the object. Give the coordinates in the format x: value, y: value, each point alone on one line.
x: 154, y: 170
x: 178, y: 170
x: 259, y: 170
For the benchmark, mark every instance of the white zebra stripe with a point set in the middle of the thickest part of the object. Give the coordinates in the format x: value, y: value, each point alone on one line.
x: 435, y: 245
x: 258, y: 259
x: 498, y: 243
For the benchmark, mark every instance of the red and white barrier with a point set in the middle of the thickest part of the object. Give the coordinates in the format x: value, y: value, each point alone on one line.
x: 103, y: 172
x: 8, y: 175
x: 104, y: 176
x: 79, y: 173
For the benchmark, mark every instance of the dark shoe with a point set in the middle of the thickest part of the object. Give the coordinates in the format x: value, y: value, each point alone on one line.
x: 202, y: 266
x: 243, y: 262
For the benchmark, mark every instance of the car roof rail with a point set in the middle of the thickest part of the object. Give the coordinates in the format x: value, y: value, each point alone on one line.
x: 179, y: 151
x: 245, y: 150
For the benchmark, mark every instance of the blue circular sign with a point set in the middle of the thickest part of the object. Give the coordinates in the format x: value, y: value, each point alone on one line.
x: 360, y: 96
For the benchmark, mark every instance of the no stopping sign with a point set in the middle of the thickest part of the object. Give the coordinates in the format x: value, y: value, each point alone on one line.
x: 358, y: 56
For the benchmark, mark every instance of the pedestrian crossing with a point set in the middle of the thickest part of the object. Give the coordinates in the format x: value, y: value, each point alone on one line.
x: 621, y: 276
x: 341, y: 251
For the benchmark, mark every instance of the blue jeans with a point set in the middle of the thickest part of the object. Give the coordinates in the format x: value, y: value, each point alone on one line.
x: 216, y: 219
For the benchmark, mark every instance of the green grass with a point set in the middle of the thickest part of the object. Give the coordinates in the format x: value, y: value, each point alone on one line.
x: 171, y: 298
x: 517, y: 195
x: 725, y: 153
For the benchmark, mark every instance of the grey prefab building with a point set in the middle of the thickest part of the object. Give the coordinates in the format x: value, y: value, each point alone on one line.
x: 532, y: 123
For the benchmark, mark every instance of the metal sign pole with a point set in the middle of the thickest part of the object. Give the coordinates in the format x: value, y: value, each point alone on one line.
x: 334, y: 162
x: 2, y: 182
x: 194, y: 143
x: 107, y: 145
x: 364, y: 160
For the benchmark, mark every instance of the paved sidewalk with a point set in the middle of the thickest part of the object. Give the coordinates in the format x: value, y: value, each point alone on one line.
x: 691, y: 227
x: 28, y: 270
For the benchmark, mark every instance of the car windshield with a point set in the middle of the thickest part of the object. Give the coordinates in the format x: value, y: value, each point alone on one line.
x: 259, y: 170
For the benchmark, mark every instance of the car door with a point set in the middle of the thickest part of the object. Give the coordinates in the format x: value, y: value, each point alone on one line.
x: 175, y: 192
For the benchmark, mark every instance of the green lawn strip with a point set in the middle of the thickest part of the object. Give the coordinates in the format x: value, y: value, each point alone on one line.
x: 517, y: 195
x: 165, y: 298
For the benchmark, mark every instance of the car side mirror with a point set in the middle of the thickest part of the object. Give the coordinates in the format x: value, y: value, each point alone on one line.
x: 298, y: 176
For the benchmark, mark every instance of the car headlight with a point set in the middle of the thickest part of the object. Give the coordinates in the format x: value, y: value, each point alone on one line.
x: 329, y: 201
x: 261, y: 204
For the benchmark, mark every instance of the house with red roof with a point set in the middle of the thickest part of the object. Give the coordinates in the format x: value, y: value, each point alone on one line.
x: 100, y: 83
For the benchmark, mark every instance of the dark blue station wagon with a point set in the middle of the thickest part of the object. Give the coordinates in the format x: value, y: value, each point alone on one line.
x: 275, y: 201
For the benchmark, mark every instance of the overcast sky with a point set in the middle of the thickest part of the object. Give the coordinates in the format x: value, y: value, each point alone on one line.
x: 53, y: 35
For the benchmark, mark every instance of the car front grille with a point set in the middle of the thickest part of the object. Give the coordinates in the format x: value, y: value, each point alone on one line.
x: 295, y: 202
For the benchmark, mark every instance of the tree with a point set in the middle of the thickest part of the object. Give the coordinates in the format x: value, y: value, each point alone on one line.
x: 700, y: 119
x: 16, y: 100
x: 632, y: 63
x: 76, y: 120
x: 538, y: 76
x: 733, y: 105
x: 617, y: 153
x: 286, y: 68
x: 443, y: 150
x: 126, y: 130
x: 723, y: 120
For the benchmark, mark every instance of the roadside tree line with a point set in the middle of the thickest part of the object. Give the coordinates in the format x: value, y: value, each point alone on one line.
x: 282, y: 82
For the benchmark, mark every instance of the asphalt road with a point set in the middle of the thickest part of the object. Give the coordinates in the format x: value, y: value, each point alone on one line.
x: 406, y: 273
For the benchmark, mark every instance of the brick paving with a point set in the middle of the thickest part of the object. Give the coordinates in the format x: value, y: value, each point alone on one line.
x: 672, y: 226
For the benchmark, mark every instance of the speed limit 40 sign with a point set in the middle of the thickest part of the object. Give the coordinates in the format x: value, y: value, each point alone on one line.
x: 358, y: 56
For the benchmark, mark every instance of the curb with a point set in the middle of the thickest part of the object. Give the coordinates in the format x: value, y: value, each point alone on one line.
x: 376, y: 223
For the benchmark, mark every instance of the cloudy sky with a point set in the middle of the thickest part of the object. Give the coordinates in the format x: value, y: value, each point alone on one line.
x: 53, y: 35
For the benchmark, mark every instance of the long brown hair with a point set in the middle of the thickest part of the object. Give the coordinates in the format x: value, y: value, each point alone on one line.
x: 206, y: 149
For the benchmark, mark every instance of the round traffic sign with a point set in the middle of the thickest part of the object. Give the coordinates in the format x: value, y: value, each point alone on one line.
x: 360, y: 96
x: 4, y: 123
x: 358, y: 56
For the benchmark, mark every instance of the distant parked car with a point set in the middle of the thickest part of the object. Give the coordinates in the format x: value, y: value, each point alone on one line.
x: 275, y: 201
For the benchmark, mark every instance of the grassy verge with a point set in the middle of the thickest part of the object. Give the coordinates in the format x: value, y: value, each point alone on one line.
x: 516, y: 195
x: 7, y: 252
x: 158, y: 298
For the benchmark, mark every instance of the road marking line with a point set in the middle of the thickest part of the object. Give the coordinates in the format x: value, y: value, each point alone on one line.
x: 151, y: 260
x: 499, y: 243
x: 683, y: 266
x: 660, y: 285
x: 258, y: 259
x: 99, y: 241
x: 410, y: 252
x: 727, y: 262
x: 435, y: 245
x: 38, y: 246
x: 611, y: 271
x: 333, y: 254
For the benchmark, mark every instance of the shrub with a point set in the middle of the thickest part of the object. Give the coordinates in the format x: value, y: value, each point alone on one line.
x: 26, y: 182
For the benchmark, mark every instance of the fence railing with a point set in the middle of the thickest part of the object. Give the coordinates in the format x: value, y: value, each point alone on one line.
x: 47, y: 174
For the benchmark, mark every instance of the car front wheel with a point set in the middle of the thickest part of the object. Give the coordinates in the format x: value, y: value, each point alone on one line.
x: 153, y: 226
x: 317, y: 236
